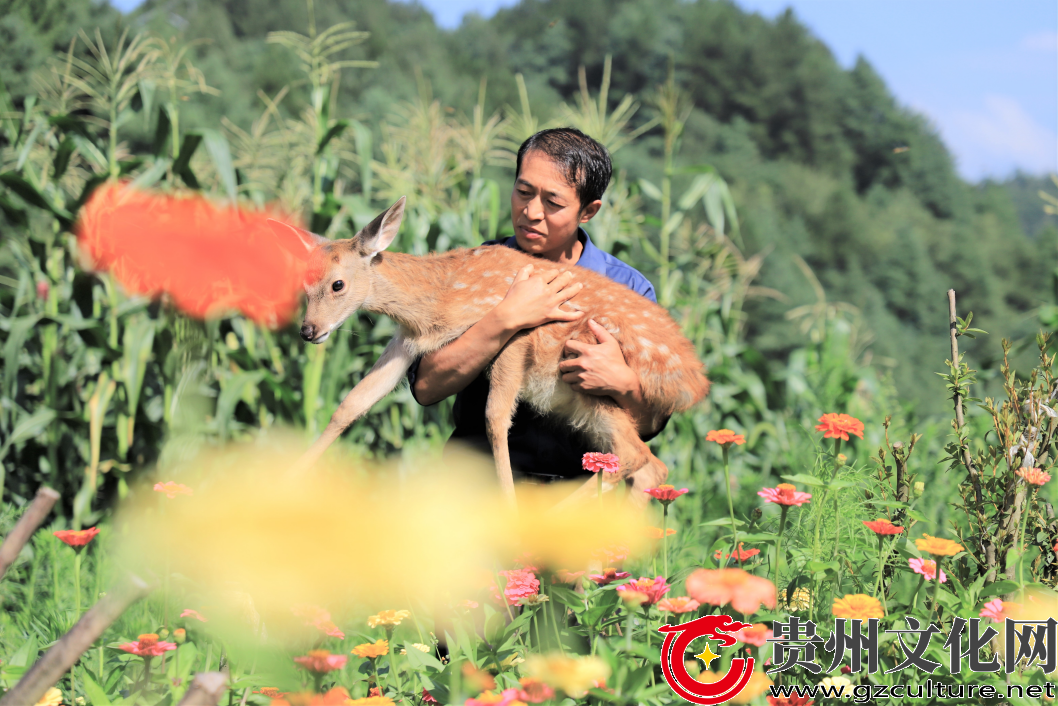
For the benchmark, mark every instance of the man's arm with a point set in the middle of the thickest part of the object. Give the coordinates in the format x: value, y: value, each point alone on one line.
x: 531, y: 301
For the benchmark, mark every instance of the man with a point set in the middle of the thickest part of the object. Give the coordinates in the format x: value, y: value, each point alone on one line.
x: 560, y: 179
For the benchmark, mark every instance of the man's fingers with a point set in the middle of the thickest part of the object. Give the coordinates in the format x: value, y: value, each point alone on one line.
x: 563, y: 315
x: 577, y: 347
x: 573, y: 365
x: 600, y: 331
x: 558, y: 279
x: 523, y: 274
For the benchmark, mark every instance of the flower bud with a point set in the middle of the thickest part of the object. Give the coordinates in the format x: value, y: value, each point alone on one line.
x: 42, y: 290
x: 163, y: 633
x: 180, y: 636
x: 920, y: 488
x: 842, y: 460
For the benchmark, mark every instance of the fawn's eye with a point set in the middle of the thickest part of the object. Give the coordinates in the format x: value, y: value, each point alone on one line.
x: 338, y: 285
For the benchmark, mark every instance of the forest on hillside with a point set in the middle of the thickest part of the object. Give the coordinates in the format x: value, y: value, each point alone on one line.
x: 852, y: 198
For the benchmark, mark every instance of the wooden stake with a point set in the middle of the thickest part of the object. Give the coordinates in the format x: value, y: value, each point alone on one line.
x: 27, y: 525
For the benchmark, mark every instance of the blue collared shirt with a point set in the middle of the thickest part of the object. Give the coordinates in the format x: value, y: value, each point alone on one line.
x: 540, y: 445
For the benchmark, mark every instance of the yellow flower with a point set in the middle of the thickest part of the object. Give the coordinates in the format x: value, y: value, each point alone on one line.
x: 369, y: 651
x: 370, y: 701
x: 417, y: 645
x: 388, y: 618
x: 857, y: 605
x: 52, y: 697
x: 801, y: 599
x: 842, y: 684
x: 758, y: 683
x: 937, y: 546
x: 574, y: 675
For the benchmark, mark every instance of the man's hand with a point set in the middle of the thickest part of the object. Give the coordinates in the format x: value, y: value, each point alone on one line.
x: 534, y: 299
x: 600, y: 369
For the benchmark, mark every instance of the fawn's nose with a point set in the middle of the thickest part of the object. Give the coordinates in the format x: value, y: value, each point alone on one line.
x: 308, y: 332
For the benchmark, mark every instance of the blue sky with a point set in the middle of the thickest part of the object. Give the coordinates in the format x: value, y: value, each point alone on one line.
x: 984, y: 71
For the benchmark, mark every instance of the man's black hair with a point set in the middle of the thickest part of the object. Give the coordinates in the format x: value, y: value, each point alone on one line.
x: 584, y: 161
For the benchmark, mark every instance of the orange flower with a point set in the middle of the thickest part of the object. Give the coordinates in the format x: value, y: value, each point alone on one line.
x: 534, y: 691
x: 839, y: 426
x: 172, y: 489
x: 595, y: 462
x: 756, y: 635
x: 388, y: 618
x: 883, y: 526
x: 478, y: 679
x: 372, y: 651
x: 271, y: 692
x: 1034, y: 475
x: 857, y: 605
x: 740, y: 554
x: 321, y: 661
x: 937, y: 546
x: 77, y: 538
x: 725, y: 436
x: 744, y: 591
x: 678, y: 604
x: 655, y: 532
x: 335, y: 697
x: 370, y: 701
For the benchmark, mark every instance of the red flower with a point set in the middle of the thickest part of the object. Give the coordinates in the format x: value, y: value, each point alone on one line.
x: 608, y: 576
x: 534, y: 691
x: 740, y: 554
x: 883, y: 526
x: 665, y: 493
x: 653, y: 589
x: 846, y: 669
x: 725, y: 436
x: 77, y: 538
x: 427, y: 697
x: 784, y: 494
x: 321, y: 661
x: 839, y: 426
x: 595, y: 462
x: 147, y: 645
x: 791, y: 700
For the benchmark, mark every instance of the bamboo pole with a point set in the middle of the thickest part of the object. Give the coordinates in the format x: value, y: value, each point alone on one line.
x: 33, y: 517
x: 206, y: 689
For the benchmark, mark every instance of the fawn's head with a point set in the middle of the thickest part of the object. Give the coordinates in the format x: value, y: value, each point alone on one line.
x: 340, y: 271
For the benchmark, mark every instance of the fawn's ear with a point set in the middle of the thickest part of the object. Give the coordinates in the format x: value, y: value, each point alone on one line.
x: 379, y: 233
x: 284, y: 230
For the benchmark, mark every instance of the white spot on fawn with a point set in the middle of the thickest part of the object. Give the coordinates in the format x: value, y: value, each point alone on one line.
x: 459, y: 285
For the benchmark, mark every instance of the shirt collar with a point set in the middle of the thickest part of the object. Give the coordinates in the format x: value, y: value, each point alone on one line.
x: 591, y: 257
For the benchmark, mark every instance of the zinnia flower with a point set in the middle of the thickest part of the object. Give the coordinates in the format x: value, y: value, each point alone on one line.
x: 52, y: 697
x: 595, y: 462
x: 1034, y: 475
x: 388, y: 618
x: 653, y: 588
x: 77, y: 538
x: 318, y: 618
x: 608, y: 576
x: 791, y: 700
x: 147, y: 645
x: 520, y: 584
x: 665, y: 493
x: 271, y: 692
x: 563, y: 576
x: 573, y: 675
x: 172, y: 489
x: 508, y: 697
x: 937, y: 546
x: 838, y: 683
x: 335, y: 697
x: 857, y: 605
x: 744, y: 591
x: 784, y: 494
x: 321, y: 661
x: 800, y: 599
x: 678, y: 604
x: 372, y: 651
x: 478, y: 679
x: 883, y: 526
x: 655, y: 532
x: 427, y: 697
x: 467, y: 604
x: 839, y: 426
x: 756, y: 635
x: 725, y: 436
x: 758, y: 684
x: 534, y: 691
x: 188, y: 613
x: 740, y: 554
x: 417, y: 645
x: 928, y: 568
x: 997, y: 610
x: 370, y: 701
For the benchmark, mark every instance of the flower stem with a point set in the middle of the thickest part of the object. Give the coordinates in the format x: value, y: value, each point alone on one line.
x: 914, y: 598
x: 778, y: 543
x: 598, y: 486
x: 665, y: 538
x: 936, y: 589
x: 395, y: 674
x: 881, y: 568
x: 731, y: 506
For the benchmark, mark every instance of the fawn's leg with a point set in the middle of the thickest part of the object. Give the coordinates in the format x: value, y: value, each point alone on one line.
x: 505, y: 382
x: 384, y: 375
x: 616, y: 433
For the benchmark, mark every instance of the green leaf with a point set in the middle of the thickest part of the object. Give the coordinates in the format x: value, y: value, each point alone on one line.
x: 999, y: 588
x: 95, y: 693
x: 636, y: 679
x: 27, y: 428
x: 650, y: 190
x: 161, y: 132
x: 725, y: 522
x: 805, y: 479
x: 422, y: 660
x: 337, y: 129
x: 182, y: 165
x: 220, y: 153
x: 31, y: 195
x: 150, y: 176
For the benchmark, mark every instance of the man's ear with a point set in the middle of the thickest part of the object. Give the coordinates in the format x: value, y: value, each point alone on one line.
x: 284, y: 230
x: 589, y: 211
x: 379, y: 233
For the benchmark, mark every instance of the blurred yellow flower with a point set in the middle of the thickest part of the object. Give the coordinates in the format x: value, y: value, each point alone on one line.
x: 370, y: 701
x: 417, y: 645
x: 371, y: 651
x: 937, y: 546
x: 655, y: 532
x: 758, y: 683
x: 800, y: 599
x: 857, y: 605
x: 388, y: 618
x: 52, y: 697
x: 573, y: 675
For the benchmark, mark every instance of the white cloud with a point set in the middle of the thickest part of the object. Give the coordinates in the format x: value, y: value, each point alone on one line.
x: 996, y: 138
x: 1041, y: 41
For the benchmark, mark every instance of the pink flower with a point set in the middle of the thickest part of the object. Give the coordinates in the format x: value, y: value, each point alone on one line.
x: 1034, y: 475
x: 188, y: 613
x: 595, y: 462
x: 997, y: 610
x: 927, y: 568
x: 147, y: 646
x: 468, y: 604
x: 563, y: 576
x: 756, y: 635
x: 318, y: 618
x: 172, y: 489
x: 665, y: 493
x: 42, y: 290
x: 520, y: 584
x: 608, y: 576
x: 679, y: 604
x: 321, y: 661
x: 784, y: 494
x: 653, y: 589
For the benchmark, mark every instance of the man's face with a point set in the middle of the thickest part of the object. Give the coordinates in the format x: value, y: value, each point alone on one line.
x: 545, y: 208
